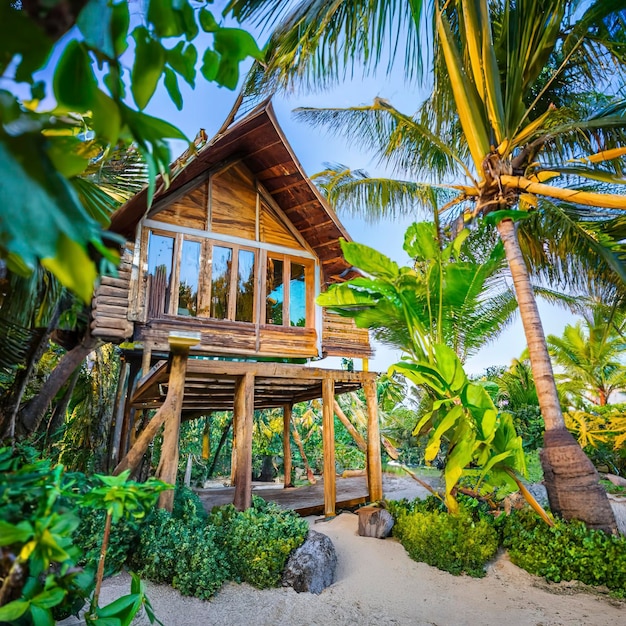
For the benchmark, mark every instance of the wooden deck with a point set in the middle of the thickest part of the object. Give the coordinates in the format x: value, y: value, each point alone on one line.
x: 306, y: 500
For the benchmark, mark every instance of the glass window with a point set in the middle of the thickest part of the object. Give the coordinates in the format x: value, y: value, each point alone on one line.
x: 297, y: 296
x: 160, y: 253
x: 220, y: 281
x: 188, y: 278
x: 244, y: 311
x: 274, y: 292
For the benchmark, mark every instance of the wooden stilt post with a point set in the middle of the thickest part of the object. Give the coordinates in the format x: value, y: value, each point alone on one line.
x: 374, y: 464
x: 244, y: 416
x: 146, y: 358
x: 328, y: 442
x: 233, y: 454
x: 171, y: 408
x: 287, y: 445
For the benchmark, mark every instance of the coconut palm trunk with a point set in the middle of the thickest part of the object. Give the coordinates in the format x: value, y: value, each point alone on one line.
x: 571, y: 480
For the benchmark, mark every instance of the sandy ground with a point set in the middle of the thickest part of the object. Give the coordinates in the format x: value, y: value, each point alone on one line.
x: 378, y: 584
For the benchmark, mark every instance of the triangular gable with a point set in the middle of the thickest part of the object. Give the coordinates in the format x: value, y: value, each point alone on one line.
x: 261, y: 145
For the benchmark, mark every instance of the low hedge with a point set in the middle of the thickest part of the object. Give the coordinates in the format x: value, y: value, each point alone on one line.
x: 467, y: 541
x: 461, y: 543
x: 196, y: 554
x: 566, y: 551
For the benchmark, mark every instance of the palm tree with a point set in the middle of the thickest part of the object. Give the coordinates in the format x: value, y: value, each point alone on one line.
x: 591, y: 354
x: 516, y: 85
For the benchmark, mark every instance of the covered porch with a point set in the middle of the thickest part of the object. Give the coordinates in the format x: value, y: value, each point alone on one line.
x: 185, y: 387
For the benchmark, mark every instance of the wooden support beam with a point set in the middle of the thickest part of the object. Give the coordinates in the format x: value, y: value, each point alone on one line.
x: 146, y: 359
x: 328, y: 442
x: 244, y: 414
x: 374, y: 464
x: 356, y: 435
x: 287, y: 445
x: 179, y: 346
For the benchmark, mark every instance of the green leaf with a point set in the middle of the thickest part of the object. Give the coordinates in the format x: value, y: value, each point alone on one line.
x: 14, y: 533
x: 11, y: 611
x: 106, y: 118
x: 94, y: 22
x: 120, y: 22
x: 447, y: 422
x: 420, y: 242
x: 171, y: 84
x: 20, y: 35
x: 450, y: 367
x: 233, y: 45
x: 210, y: 64
x: 50, y: 598
x: 118, y: 606
x: 74, y: 82
x: 166, y: 20
x: 183, y: 61
x: 369, y: 260
x: 207, y: 21
x: 73, y: 267
x: 64, y: 154
x: 41, y: 616
x: 147, y: 67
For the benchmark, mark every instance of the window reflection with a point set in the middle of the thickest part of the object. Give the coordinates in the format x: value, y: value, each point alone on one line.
x: 274, y: 292
x: 188, y: 279
x: 297, y: 296
x: 244, y: 311
x: 220, y: 281
x: 160, y: 253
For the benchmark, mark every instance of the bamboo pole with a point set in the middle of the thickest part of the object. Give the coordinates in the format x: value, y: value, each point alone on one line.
x: 244, y: 416
x: 287, y: 409
x: 374, y: 464
x: 328, y: 441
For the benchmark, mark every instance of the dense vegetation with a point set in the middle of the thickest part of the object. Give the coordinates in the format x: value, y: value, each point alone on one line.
x: 466, y: 542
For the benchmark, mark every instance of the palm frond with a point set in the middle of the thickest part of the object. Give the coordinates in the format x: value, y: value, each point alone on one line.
x: 354, y: 192
x: 315, y: 43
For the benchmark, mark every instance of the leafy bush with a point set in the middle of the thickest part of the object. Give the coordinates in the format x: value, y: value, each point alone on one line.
x: 458, y: 543
x: 88, y: 537
x: 196, y: 554
x: 258, y: 541
x: 178, y: 548
x: 567, y: 551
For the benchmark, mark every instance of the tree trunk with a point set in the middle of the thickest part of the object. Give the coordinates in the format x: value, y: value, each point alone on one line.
x: 220, y: 444
x: 31, y: 415
x: 571, y: 480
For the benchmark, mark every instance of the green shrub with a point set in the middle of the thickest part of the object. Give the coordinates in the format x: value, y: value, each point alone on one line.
x: 179, y: 549
x: 258, y: 541
x: 454, y: 543
x: 88, y: 537
x: 567, y: 551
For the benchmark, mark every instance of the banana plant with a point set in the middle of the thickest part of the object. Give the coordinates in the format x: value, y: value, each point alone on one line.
x: 406, y: 305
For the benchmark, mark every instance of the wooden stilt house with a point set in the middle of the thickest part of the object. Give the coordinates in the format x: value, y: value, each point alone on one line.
x: 215, y: 304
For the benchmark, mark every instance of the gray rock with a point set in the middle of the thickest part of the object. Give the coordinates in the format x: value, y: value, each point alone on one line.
x: 539, y: 493
x: 311, y: 567
x: 374, y: 522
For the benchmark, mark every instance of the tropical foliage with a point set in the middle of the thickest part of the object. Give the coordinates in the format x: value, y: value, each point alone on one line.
x: 401, y: 303
x: 524, y: 113
x: 41, y: 153
x: 591, y: 356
